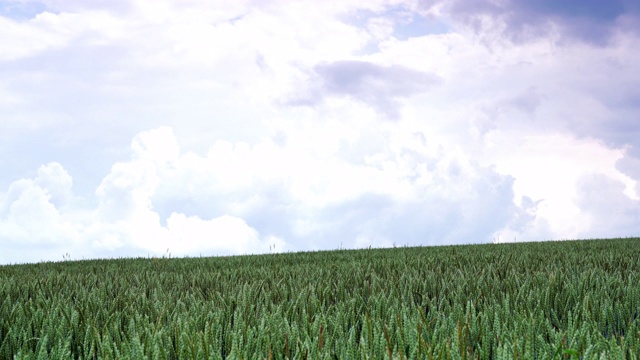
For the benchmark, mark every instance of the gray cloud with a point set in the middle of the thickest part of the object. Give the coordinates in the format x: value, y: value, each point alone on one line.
x: 612, y: 212
x: 431, y: 220
x: 591, y: 21
x: 617, y: 128
x: 528, y: 101
x: 376, y: 85
x: 630, y: 166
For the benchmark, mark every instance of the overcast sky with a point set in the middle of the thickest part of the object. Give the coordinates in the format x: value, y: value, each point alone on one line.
x: 197, y: 127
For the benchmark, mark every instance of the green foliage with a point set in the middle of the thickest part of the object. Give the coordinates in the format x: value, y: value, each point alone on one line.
x: 551, y: 300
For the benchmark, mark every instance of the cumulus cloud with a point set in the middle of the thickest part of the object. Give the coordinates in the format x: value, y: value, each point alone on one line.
x: 126, y: 202
x: 52, y: 183
x: 31, y: 216
x: 57, y: 181
x: 236, y: 199
x: 405, y: 194
x: 222, y: 235
x: 41, y: 219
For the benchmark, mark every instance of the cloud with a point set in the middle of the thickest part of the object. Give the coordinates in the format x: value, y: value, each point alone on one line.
x: 237, y: 199
x: 528, y: 101
x: 431, y: 217
x: 611, y: 212
x: 222, y: 235
x: 323, y: 201
x: 594, y: 22
x: 41, y: 218
x: 629, y: 166
x: 376, y: 85
x: 547, y: 170
x: 126, y: 202
x: 57, y: 181
x: 31, y: 220
x: 130, y: 185
x: 52, y: 183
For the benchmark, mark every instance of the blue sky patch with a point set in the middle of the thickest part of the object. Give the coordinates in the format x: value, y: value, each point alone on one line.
x: 419, y: 26
x: 20, y: 10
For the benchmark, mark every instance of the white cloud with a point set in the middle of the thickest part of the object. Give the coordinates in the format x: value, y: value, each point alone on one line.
x: 22, y: 40
x: 39, y: 214
x: 57, y: 182
x: 327, y: 200
x: 126, y: 196
x: 30, y: 222
x: 225, y: 234
x: 48, y: 31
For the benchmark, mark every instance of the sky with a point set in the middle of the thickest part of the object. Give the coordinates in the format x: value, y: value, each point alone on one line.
x: 148, y: 128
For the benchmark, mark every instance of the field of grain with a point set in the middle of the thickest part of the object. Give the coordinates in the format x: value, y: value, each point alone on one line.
x: 547, y: 300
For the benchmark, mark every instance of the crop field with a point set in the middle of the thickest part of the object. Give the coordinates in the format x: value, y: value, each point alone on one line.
x: 547, y: 300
